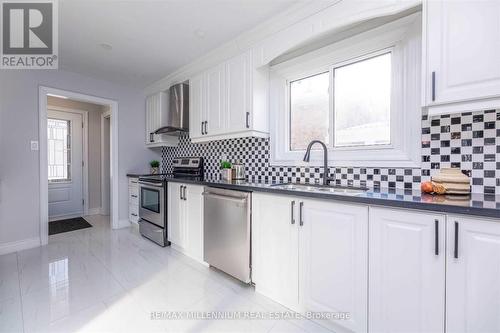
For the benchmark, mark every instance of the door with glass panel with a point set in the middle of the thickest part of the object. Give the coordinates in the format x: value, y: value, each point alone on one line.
x: 65, y: 156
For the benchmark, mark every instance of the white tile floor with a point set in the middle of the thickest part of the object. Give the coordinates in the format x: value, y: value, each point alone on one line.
x: 103, y: 280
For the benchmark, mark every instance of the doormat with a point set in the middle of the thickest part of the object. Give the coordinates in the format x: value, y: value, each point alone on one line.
x: 60, y: 226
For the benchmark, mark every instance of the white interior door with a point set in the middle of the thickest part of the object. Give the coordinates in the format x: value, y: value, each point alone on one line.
x: 65, y: 156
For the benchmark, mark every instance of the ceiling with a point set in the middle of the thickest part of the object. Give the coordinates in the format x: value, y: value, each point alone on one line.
x: 137, y: 42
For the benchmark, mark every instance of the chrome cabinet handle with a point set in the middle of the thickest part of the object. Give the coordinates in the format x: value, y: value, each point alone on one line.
x: 455, y: 250
x: 301, y: 220
x: 184, y: 193
x: 436, y: 237
x: 248, y: 119
x: 202, y: 131
x: 151, y: 137
x: 180, y: 191
x: 133, y: 214
x: 134, y: 196
x: 292, y: 208
x: 206, y: 124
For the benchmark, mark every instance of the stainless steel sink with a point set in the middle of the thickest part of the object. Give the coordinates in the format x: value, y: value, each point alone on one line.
x: 321, y: 188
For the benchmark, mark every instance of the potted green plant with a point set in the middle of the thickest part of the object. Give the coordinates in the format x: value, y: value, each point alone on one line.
x: 155, y: 167
x: 226, y: 171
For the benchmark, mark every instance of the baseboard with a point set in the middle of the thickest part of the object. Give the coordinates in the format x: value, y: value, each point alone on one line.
x: 183, y: 251
x: 19, y: 245
x: 125, y: 223
x: 94, y: 211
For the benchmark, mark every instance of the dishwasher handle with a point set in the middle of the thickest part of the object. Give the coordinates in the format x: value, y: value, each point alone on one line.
x: 225, y: 197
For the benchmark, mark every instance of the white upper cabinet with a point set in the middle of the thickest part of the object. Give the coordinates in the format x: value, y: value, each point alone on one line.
x: 156, y: 113
x: 229, y: 101
x: 215, y: 115
x: 473, y: 275
x: 196, y: 106
x: 407, y: 271
x: 461, y: 56
x: 238, y: 93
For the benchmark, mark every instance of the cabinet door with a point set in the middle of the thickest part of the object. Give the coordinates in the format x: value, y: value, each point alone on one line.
x: 463, y: 44
x: 473, y: 275
x: 238, y: 96
x: 334, y: 263
x: 150, y: 137
x: 407, y: 277
x: 275, y: 244
x: 194, y: 221
x: 215, y: 107
x: 196, y: 106
x: 176, y: 224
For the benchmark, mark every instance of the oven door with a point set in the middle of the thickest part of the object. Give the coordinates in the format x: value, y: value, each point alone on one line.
x: 152, y: 203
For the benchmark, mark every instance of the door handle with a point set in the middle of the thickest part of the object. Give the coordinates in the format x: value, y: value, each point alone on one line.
x: 206, y: 125
x: 436, y: 237
x: 433, y: 83
x: 301, y: 220
x: 292, y: 208
x: 180, y: 192
x: 202, y: 131
x: 151, y: 137
x: 184, y: 193
x: 248, y: 119
x: 455, y: 250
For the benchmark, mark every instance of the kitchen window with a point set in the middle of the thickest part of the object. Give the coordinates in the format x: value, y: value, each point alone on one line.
x: 360, y: 96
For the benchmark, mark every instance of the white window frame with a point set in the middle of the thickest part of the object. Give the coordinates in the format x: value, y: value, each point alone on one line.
x: 403, y: 39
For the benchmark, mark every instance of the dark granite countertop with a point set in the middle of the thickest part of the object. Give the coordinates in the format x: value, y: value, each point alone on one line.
x: 474, y: 204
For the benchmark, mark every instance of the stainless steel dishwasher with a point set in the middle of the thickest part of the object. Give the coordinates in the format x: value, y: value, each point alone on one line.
x: 227, y: 224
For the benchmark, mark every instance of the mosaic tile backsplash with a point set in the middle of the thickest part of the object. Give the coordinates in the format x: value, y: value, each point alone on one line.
x: 469, y: 141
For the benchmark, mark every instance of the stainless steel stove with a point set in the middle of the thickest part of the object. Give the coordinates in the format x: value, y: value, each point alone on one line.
x: 153, y: 220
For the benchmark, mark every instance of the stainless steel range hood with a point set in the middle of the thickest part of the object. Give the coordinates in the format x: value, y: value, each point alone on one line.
x: 177, y: 119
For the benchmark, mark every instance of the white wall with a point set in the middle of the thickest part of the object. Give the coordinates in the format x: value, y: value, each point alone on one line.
x: 19, y: 166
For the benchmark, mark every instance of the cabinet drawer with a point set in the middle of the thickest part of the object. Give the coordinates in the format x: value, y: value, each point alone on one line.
x: 133, y: 217
x: 133, y: 182
x: 133, y: 190
x: 133, y: 209
x: 133, y: 199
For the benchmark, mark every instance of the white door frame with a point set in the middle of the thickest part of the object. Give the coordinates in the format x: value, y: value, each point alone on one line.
x: 104, y: 189
x: 42, y: 137
x: 85, y: 153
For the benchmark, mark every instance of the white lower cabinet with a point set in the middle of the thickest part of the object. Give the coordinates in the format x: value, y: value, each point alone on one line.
x: 133, y: 199
x: 275, y: 242
x: 185, y: 218
x: 312, y: 256
x: 407, y: 271
x: 333, y: 263
x: 472, y: 275
x: 176, y: 220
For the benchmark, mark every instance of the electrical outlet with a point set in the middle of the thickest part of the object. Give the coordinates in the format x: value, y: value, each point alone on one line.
x: 34, y: 145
